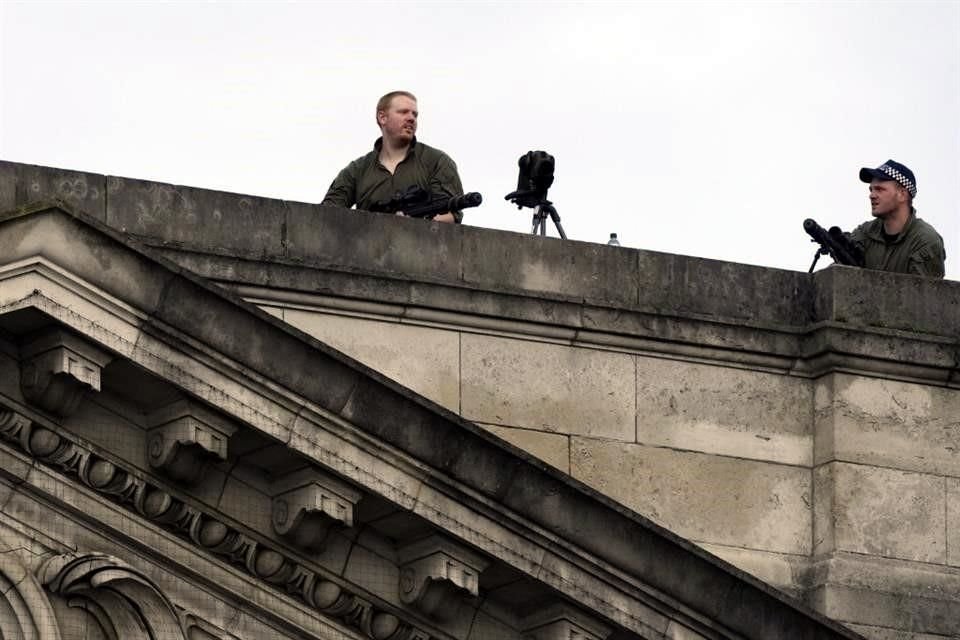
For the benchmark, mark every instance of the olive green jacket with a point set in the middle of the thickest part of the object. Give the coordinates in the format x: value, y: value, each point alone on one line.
x: 365, y: 180
x: 918, y: 249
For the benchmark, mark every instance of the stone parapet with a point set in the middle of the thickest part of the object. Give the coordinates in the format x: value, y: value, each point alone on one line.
x: 293, y: 234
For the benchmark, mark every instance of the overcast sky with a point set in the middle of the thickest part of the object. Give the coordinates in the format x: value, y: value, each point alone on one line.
x: 701, y: 128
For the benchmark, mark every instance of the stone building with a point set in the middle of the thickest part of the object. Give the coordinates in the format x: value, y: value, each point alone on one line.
x: 225, y: 416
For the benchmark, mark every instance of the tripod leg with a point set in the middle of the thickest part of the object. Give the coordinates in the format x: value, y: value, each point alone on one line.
x: 556, y: 221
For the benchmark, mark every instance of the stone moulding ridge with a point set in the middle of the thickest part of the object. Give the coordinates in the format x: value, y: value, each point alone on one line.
x: 151, y: 501
x: 795, y: 350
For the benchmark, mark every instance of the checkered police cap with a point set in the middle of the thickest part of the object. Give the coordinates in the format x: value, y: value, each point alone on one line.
x: 892, y: 170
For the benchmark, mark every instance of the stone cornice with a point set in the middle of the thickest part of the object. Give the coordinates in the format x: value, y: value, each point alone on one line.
x: 811, y: 351
x: 208, y: 532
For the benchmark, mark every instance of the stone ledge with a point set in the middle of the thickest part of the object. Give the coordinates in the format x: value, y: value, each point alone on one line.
x: 819, y: 349
x: 870, y: 591
x: 331, y: 239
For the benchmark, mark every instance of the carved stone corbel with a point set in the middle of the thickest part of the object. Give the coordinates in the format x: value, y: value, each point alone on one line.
x: 308, y: 504
x: 57, y: 368
x: 185, y: 437
x: 560, y: 621
x: 436, y: 572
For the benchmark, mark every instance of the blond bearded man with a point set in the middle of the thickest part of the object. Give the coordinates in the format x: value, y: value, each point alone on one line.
x: 397, y: 162
x: 896, y: 239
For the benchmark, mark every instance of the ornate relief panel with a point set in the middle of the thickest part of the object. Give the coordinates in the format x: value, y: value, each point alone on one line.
x: 126, y: 604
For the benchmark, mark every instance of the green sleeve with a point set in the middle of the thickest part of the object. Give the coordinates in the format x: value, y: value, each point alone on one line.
x: 927, y: 261
x: 446, y: 180
x: 343, y: 189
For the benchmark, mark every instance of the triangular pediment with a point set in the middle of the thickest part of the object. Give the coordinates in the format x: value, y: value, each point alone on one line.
x: 178, y: 418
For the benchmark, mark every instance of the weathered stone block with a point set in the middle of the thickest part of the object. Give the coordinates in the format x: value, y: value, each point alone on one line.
x: 197, y: 218
x: 723, y: 410
x: 568, y: 268
x: 890, y: 513
x: 548, y: 387
x: 711, y: 288
x: 552, y: 448
x: 910, y: 303
x: 706, y: 498
x: 888, y: 423
x: 368, y: 242
x: 84, y: 191
x: 423, y: 359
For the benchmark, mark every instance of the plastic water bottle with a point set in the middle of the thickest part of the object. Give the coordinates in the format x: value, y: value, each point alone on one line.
x: 613, y: 242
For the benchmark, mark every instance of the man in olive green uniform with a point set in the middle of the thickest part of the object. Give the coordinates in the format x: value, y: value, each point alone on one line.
x: 397, y: 162
x: 896, y: 239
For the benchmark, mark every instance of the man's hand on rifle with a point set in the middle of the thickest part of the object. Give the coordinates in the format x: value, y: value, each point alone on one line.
x: 440, y: 217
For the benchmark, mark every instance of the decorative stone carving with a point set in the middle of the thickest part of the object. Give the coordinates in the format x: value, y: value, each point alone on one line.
x: 185, y: 437
x: 25, y: 609
x: 127, y: 604
x: 204, y: 530
x: 13, y: 424
x: 57, y: 368
x: 436, y: 572
x: 308, y: 503
x: 560, y: 621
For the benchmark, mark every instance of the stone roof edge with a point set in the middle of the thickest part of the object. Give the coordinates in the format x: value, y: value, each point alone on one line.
x: 479, y: 260
x: 440, y: 438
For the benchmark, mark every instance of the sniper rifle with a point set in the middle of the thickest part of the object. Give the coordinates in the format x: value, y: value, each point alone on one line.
x: 833, y: 242
x: 417, y: 202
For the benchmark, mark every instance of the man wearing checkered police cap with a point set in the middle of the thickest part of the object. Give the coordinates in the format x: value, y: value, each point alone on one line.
x: 896, y: 239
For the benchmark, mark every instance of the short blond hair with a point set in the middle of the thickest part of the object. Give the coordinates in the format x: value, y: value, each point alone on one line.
x: 384, y: 102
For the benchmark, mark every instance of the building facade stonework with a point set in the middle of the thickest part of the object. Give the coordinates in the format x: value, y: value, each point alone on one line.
x: 309, y: 422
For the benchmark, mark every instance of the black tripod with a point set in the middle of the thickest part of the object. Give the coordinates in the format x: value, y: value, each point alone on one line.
x: 535, y: 177
x: 540, y: 213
